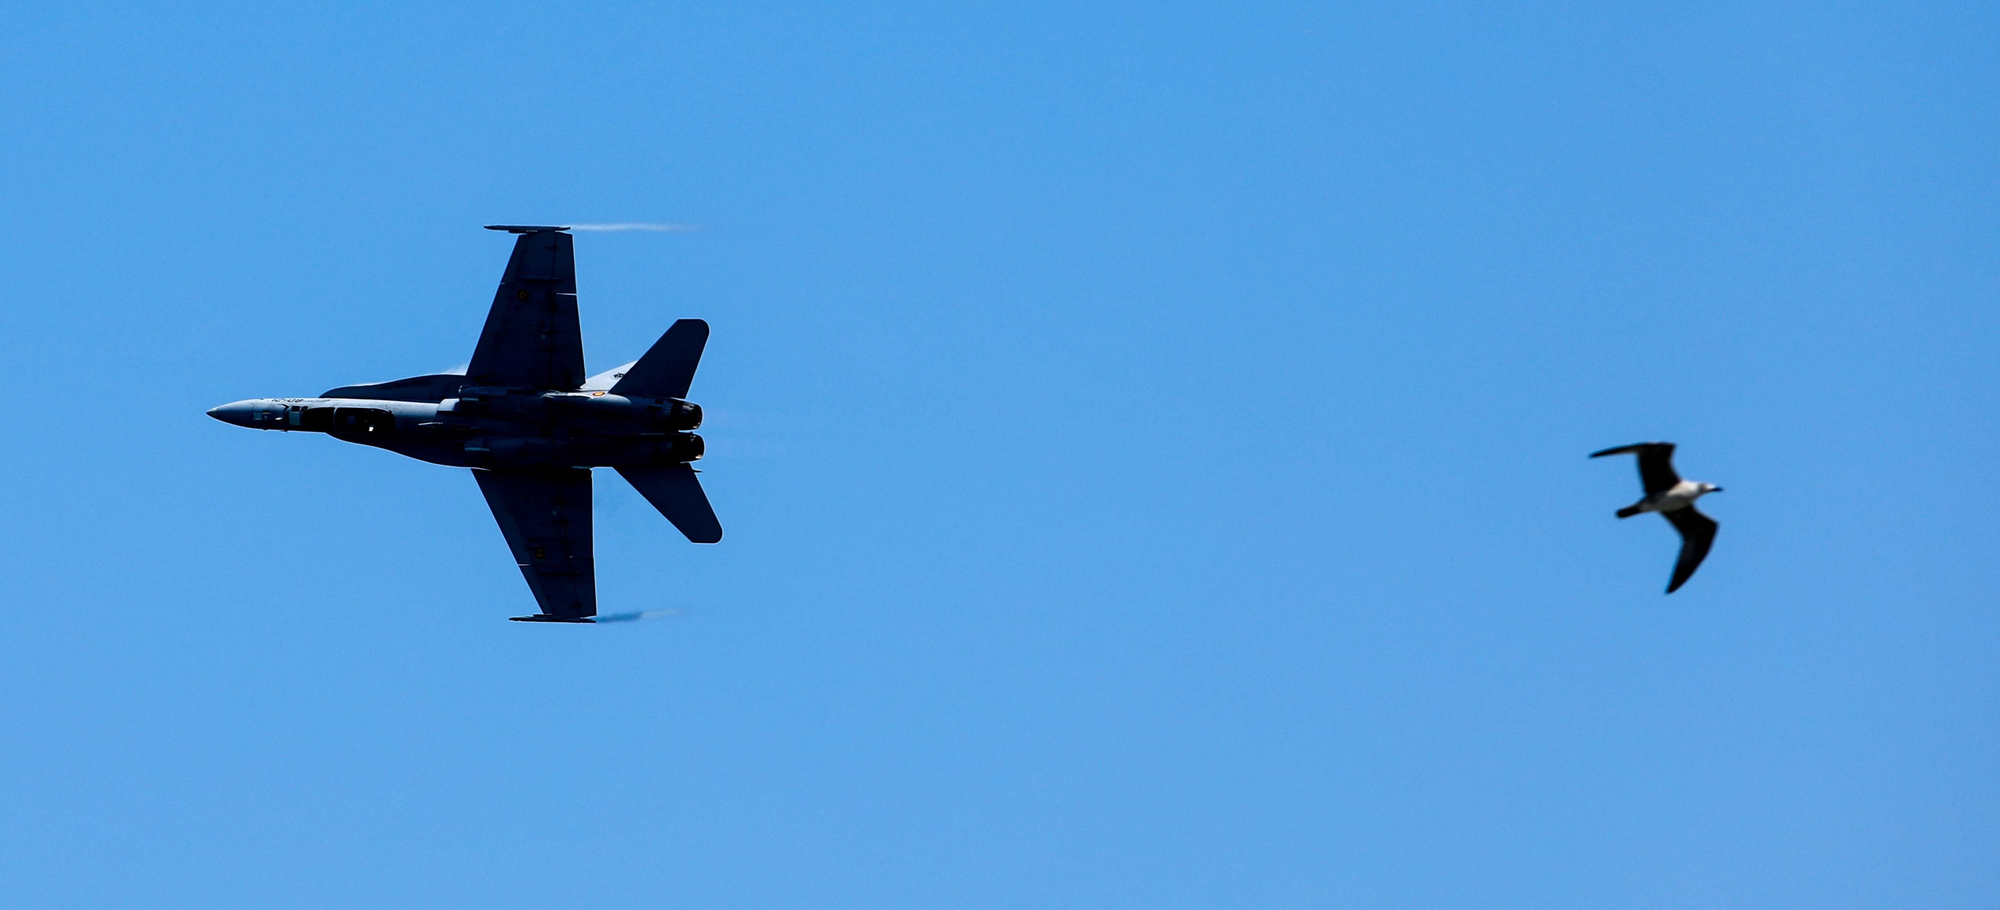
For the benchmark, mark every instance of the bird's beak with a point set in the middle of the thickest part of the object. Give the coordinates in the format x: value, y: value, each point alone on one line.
x: 1716, y: 490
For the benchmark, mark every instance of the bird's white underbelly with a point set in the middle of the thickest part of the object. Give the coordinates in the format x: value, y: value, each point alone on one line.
x: 1679, y: 496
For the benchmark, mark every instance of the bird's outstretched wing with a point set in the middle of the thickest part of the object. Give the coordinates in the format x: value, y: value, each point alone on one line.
x: 1656, y: 464
x: 1697, y: 535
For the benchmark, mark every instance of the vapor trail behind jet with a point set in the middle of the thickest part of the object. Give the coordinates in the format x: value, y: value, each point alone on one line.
x: 665, y: 227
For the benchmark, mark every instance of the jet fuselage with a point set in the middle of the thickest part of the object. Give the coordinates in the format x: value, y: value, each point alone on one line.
x: 495, y: 428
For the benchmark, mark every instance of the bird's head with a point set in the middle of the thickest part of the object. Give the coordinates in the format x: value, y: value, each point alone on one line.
x: 1710, y: 488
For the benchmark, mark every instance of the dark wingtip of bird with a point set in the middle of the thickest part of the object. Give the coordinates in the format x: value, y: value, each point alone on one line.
x: 1634, y: 447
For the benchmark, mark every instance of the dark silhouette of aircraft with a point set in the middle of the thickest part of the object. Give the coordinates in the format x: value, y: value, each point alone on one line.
x: 530, y: 425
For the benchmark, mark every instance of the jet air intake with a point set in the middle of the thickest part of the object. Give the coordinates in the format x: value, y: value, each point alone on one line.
x: 542, y: 452
x: 365, y: 425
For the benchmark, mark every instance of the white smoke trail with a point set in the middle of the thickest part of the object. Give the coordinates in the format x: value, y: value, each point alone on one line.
x: 664, y: 227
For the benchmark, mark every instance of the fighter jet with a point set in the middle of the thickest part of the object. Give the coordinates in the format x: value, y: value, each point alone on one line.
x: 1673, y: 498
x: 530, y: 425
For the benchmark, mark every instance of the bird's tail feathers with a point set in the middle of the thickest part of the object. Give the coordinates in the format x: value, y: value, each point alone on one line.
x: 1628, y: 511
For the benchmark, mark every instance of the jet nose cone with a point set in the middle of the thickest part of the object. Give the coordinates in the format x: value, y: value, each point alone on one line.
x: 240, y: 413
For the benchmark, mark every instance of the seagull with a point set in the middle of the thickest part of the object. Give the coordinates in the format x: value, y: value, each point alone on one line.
x: 1673, y: 498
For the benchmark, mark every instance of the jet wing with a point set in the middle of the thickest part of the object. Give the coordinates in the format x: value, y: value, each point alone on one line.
x: 531, y: 339
x: 545, y: 514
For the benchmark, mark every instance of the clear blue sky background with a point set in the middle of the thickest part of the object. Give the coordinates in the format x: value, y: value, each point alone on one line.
x: 1151, y: 440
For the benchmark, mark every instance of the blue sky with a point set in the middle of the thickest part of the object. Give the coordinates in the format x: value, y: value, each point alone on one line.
x: 1151, y: 441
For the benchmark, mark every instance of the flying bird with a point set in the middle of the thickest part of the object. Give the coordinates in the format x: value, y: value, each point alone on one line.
x: 1673, y: 498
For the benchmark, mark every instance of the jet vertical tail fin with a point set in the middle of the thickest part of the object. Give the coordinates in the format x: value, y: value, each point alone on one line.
x: 668, y: 368
x: 676, y: 492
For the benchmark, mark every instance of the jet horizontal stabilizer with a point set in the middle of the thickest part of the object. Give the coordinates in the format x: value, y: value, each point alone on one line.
x: 527, y: 228
x: 676, y: 492
x: 544, y: 617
